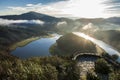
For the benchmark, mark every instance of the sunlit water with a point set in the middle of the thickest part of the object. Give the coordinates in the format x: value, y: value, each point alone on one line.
x: 36, y: 48
x: 41, y: 47
x: 100, y: 43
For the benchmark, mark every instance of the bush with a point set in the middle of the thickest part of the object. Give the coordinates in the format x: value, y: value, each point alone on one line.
x: 101, y: 66
x: 91, y: 76
x: 45, y: 68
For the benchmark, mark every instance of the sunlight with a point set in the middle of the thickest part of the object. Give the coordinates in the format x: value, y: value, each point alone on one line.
x: 83, y: 35
x: 86, y: 8
x: 100, y: 43
x: 67, y: 8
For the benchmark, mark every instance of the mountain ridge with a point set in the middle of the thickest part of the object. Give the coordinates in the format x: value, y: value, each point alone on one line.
x: 31, y: 16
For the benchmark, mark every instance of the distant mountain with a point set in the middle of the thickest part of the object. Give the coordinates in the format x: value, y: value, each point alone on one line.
x: 90, y: 20
x: 65, y: 24
x: 31, y: 16
x: 112, y: 23
x: 115, y: 20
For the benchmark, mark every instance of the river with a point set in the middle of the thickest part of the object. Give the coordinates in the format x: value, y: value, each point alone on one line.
x: 36, y: 48
x: 109, y: 49
x: 41, y: 47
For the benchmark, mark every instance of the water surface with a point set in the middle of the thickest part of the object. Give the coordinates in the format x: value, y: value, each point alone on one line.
x: 36, y: 48
x: 109, y: 49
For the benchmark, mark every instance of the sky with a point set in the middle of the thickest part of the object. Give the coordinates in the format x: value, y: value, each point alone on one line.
x: 63, y: 8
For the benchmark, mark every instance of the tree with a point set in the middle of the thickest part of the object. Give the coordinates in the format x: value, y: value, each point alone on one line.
x: 101, y: 66
x: 115, y: 57
x: 91, y: 76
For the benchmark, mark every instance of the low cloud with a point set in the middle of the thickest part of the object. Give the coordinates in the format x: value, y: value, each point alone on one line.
x: 8, y: 22
x: 63, y: 23
x: 90, y: 26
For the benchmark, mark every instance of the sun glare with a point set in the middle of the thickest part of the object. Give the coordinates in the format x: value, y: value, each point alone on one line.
x: 86, y: 8
x: 83, y: 35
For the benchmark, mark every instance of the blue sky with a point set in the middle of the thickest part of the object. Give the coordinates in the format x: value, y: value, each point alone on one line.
x: 6, y: 3
x: 63, y: 8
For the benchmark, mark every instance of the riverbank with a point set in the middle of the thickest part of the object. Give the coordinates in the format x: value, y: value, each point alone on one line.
x: 27, y: 41
x: 23, y: 43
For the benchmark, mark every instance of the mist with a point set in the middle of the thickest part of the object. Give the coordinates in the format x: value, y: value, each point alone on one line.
x: 8, y: 22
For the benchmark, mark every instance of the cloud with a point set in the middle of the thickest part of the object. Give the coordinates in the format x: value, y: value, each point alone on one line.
x: 66, y: 8
x: 113, y: 6
x: 62, y: 23
x: 29, y: 5
x: 90, y: 26
x: 113, y: 2
x: 17, y: 8
x: 8, y: 22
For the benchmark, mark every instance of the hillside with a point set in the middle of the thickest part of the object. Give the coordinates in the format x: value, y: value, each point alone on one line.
x: 45, y: 68
x: 31, y: 16
x: 11, y: 35
x: 70, y: 44
x: 110, y: 36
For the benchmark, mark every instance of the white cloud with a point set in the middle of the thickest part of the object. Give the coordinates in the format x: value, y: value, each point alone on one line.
x: 68, y: 8
x: 62, y: 23
x: 8, y: 22
x: 17, y: 8
x: 90, y: 26
x: 29, y: 5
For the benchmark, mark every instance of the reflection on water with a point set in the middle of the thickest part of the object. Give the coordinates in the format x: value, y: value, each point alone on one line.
x: 41, y: 47
x: 36, y: 48
x: 100, y: 43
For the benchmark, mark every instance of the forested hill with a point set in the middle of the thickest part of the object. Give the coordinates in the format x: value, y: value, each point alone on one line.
x: 71, y: 44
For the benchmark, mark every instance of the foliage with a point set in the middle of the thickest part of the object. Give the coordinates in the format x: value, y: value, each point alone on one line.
x: 44, y: 68
x: 10, y: 35
x: 91, y: 76
x: 101, y: 66
x: 115, y: 75
x: 71, y: 43
x: 115, y: 57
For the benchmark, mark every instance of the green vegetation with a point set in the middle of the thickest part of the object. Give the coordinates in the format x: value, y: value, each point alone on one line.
x: 54, y: 49
x: 50, y: 68
x: 44, y: 68
x: 115, y: 57
x: 115, y: 75
x: 9, y: 35
x: 91, y: 76
x: 70, y: 44
x: 101, y: 66
x: 103, y: 71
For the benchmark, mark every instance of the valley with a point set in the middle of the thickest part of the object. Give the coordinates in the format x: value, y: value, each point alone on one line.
x: 29, y: 52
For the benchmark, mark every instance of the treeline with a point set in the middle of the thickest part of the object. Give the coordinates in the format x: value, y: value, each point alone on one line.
x: 103, y: 71
x: 44, y: 68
